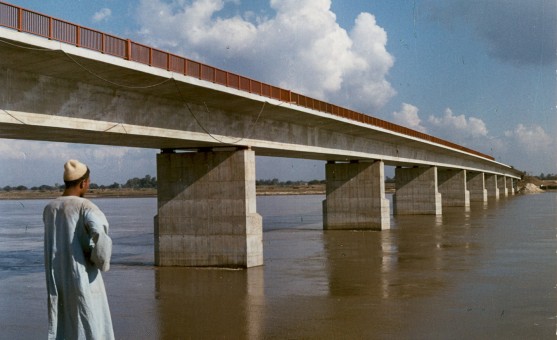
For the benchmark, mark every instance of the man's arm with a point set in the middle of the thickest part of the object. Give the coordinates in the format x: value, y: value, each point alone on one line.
x: 97, y: 226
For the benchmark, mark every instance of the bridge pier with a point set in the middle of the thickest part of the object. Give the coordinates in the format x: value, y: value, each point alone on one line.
x: 417, y: 191
x: 355, y: 196
x: 476, y: 185
x: 452, y: 186
x: 491, y: 186
x: 510, y: 185
x: 502, y: 186
x: 207, y: 210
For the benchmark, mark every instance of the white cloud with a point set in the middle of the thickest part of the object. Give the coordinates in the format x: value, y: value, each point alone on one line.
x: 102, y: 15
x: 302, y: 47
x: 459, y: 125
x: 530, y: 138
x: 408, y: 116
x: 523, y: 144
x: 34, y: 163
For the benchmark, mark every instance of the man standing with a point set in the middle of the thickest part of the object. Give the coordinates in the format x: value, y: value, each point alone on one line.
x: 76, y: 249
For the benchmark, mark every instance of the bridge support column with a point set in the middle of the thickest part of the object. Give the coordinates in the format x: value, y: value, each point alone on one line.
x: 452, y: 186
x: 417, y: 192
x: 502, y: 185
x: 476, y: 185
x: 207, y: 210
x: 510, y: 186
x: 491, y: 186
x: 356, y: 196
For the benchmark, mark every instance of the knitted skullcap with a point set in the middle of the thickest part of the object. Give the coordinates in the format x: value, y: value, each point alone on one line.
x: 74, y: 170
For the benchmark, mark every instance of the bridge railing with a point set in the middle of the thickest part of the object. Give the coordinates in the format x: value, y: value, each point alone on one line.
x: 46, y: 26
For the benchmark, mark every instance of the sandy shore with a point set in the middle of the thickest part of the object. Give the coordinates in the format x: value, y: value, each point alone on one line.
x: 264, y: 190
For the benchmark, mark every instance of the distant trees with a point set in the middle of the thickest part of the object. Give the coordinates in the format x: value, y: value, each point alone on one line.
x: 114, y: 185
x: 548, y: 176
x: 273, y: 181
x: 18, y: 188
x: 141, y: 183
x: 134, y: 183
x: 276, y: 182
x: 149, y: 182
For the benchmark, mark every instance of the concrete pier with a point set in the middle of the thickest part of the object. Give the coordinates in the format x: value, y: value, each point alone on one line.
x: 453, y: 189
x: 510, y: 186
x: 207, y: 210
x: 492, y: 186
x: 502, y: 186
x: 417, y: 192
x: 476, y: 186
x: 355, y: 196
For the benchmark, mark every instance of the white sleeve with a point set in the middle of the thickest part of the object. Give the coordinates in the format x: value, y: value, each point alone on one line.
x: 97, y: 226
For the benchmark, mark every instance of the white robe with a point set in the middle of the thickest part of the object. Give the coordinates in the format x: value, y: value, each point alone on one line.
x: 76, y: 249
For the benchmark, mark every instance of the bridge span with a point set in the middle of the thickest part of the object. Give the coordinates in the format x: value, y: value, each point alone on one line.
x: 63, y: 82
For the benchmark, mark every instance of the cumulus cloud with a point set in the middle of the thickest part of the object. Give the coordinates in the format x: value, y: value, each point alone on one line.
x: 102, y: 15
x: 515, y: 31
x: 459, y: 125
x: 530, y: 138
x: 301, y: 47
x: 528, y: 141
x: 408, y: 116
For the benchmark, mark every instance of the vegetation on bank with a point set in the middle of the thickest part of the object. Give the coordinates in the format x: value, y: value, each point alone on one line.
x: 276, y: 182
x: 547, y: 177
x: 146, y: 182
x: 149, y: 184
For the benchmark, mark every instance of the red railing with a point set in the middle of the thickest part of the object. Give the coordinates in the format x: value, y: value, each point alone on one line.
x: 46, y: 26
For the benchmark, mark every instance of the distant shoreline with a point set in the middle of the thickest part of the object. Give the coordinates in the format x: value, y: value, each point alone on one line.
x: 264, y: 190
x: 94, y: 193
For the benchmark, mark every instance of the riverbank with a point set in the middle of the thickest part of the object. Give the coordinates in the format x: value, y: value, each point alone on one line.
x: 94, y: 193
x: 262, y: 190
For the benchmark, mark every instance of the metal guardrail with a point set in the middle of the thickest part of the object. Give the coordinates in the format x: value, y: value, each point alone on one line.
x: 31, y: 22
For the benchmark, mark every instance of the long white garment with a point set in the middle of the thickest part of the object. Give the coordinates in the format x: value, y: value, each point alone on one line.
x: 76, y: 249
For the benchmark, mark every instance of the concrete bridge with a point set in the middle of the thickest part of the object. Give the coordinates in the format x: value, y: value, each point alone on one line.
x: 63, y: 82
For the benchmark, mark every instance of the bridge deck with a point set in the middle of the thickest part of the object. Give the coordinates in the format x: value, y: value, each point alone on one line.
x: 167, y: 109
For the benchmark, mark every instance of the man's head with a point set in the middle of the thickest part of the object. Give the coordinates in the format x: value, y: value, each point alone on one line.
x: 76, y: 176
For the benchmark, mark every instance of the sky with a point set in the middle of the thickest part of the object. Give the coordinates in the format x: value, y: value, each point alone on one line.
x: 481, y: 73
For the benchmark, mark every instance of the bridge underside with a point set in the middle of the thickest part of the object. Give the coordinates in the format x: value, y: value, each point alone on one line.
x: 210, y: 135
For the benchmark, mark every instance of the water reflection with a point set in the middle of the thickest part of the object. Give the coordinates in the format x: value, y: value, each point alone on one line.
x: 389, y: 259
x: 198, y: 302
x: 489, y: 270
x: 417, y: 257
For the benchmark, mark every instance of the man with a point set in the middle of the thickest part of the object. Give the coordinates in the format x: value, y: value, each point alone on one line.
x: 76, y: 249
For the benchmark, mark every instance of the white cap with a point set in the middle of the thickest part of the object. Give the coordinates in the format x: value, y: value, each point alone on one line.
x: 74, y: 170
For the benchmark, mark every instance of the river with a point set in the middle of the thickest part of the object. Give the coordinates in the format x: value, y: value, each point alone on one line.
x: 484, y: 273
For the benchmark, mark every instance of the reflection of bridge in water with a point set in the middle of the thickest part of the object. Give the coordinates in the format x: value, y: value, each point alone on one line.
x: 63, y: 82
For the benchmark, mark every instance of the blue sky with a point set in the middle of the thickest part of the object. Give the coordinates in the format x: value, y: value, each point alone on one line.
x: 481, y: 73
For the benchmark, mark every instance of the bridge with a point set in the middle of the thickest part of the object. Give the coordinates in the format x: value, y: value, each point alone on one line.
x: 63, y: 82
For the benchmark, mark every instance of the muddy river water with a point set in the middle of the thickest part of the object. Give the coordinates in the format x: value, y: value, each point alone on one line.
x: 484, y: 273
